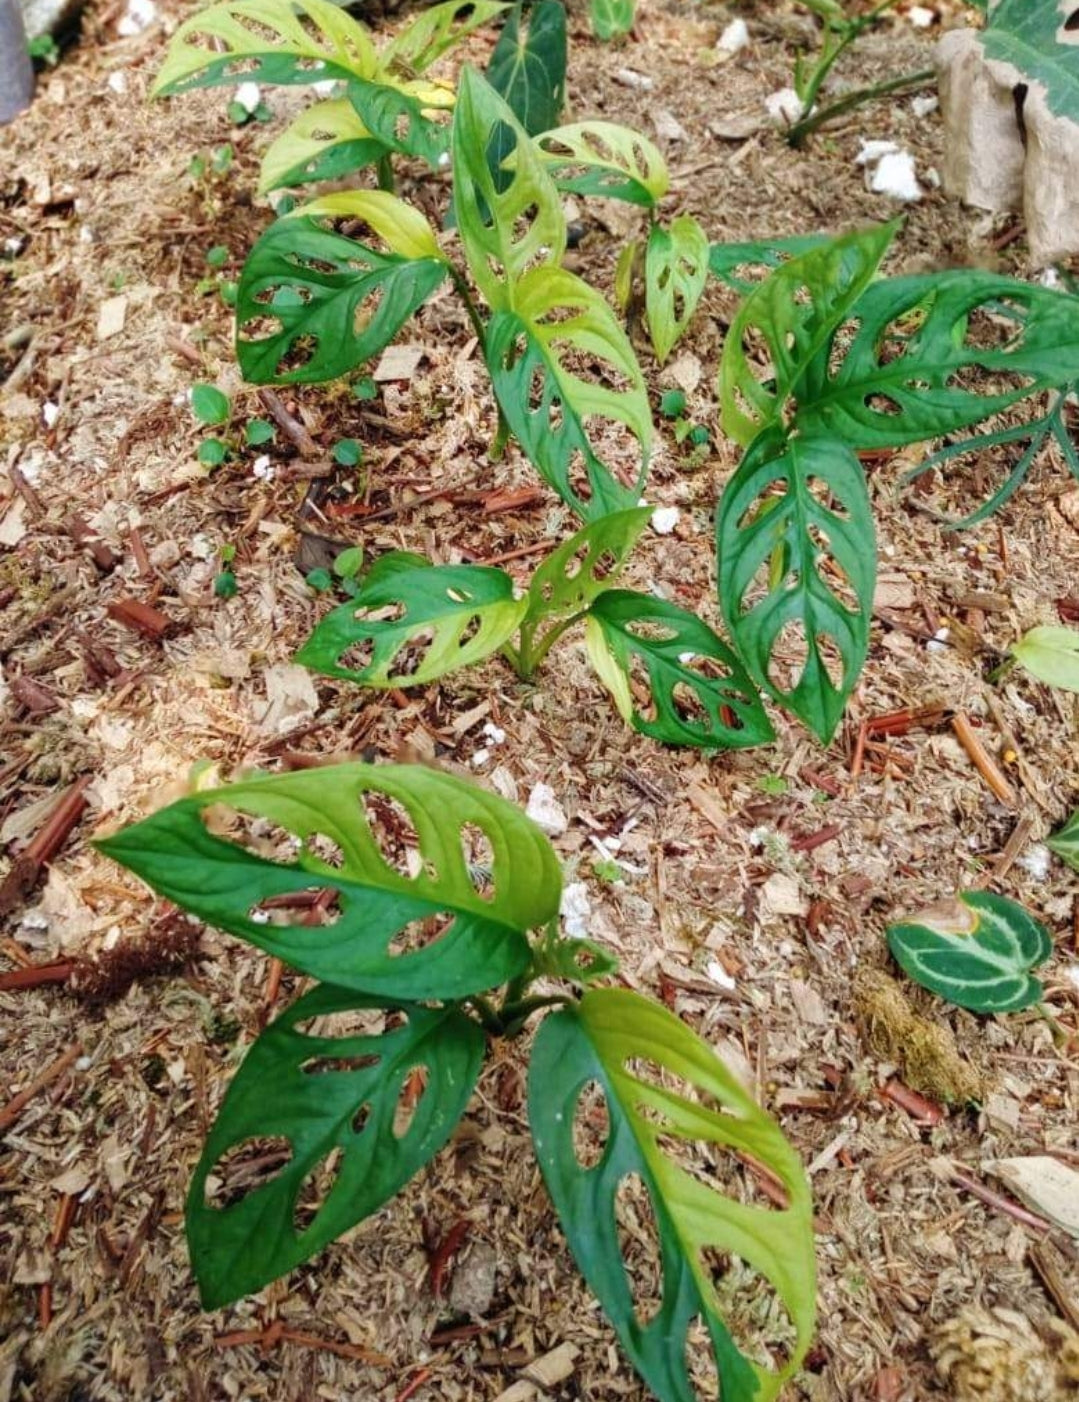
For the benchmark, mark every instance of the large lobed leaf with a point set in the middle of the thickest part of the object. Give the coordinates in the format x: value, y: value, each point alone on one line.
x: 326, y: 141
x: 313, y: 304
x: 266, y: 41
x: 699, y: 692
x: 797, y: 512
x: 451, y: 615
x: 227, y: 885
x: 675, y: 272
x: 733, y: 262
x: 1039, y: 38
x: 629, y: 1046
x: 977, y: 951
x: 334, y: 1101
x: 528, y: 65
x: 432, y: 33
x: 605, y: 159
x: 585, y: 566
x: 539, y: 350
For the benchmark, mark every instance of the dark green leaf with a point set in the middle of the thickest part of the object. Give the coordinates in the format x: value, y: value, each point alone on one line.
x: 228, y: 885
x: 347, y: 452
x: 665, y: 1091
x: 528, y: 66
x: 400, y: 118
x: 326, y: 141
x: 212, y: 452
x: 700, y: 692
x: 605, y: 160
x: 732, y: 262
x: 1065, y: 841
x: 584, y: 566
x: 977, y: 951
x: 333, y: 1101
x: 797, y: 569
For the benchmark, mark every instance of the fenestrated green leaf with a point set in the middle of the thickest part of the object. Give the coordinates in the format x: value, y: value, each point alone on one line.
x: 528, y: 65
x: 1050, y: 653
x: 726, y: 259
x: 675, y: 272
x: 1065, y: 841
x: 1038, y: 38
x: 538, y: 352
x: 791, y: 316
x: 401, y: 116
x: 794, y: 528
x: 666, y: 1091
x: 228, y: 885
x: 977, y: 951
x: 700, y: 693
x: 266, y: 41
x: 605, y: 159
x: 313, y: 304
x: 934, y: 353
x: 506, y: 225
x: 584, y: 566
x: 333, y: 1100
x: 434, y: 32
x: 325, y: 142
x: 449, y: 616
x: 612, y: 17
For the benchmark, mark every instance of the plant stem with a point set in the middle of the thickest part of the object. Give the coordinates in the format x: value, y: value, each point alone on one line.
x: 460, y: 282
x: 531, y: 655
x: 809, y: 124
x: 515, y: 1015
x: 386, y: 180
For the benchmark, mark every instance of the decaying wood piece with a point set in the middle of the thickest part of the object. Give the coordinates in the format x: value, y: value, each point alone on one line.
x: 1005, y: 148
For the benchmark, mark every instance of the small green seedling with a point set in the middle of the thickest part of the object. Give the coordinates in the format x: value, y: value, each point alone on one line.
x: 976, y: 951
x: 258, y: 432
x: 1051, y: 654
x: 212, y: 452
x: 347, y: 452
x: 210, y: 406
x: 1065, y: 842
x: 441, y: 910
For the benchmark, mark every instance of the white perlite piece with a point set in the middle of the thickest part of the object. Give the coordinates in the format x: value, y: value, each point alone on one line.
x: 988, y: 164
x: 546, y: 811
x: 784, y: 107
x: 895, y: 177
x: 734, y: 38
x: 576, y: 910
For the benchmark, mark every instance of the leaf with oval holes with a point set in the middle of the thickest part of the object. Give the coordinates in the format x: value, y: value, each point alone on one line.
x: 612, y: 17
x: 671, y: 642
x: 770, y: 515
x: 790, y: 316
x: 929, y: 354
x: 604, y: 159
x: 584, y: 566
x: 1051, y: 654
x: 458, y: 614
x: 334, y: 1101
x: 227, y: 885
x: 400, y: 115
x: 675, y: 273
x: 506, y: 226
x: 325, y: 142
x: 436, y: 31
x: 528, y: 65
x: 730, y: 262
x: 335, y: 301
x: 1039, y: 41
x: 976, y: 951
x: 598, y: 1042
x: 558, y: 326
x: 266, y: 41
x: 1065, y: 842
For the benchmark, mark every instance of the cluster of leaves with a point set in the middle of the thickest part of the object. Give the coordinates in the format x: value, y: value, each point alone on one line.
x: 430, y: 889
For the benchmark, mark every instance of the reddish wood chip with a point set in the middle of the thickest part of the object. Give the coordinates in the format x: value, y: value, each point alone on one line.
x: 140, y: 618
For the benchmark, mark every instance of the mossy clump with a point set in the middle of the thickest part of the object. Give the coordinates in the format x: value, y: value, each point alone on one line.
x: 925, y: 1051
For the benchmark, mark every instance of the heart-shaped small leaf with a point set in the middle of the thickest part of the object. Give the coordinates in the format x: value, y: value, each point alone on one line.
x: 1065, y: 841
x: 313, y: 304
x: 797, y: 570
x: 266, y: 41
x: 322, y: 1104
x: 508, y: 221
x: 698, y: 691
x: 612, y: 17
x: 606, y: 160
x: 434, y: 32
x: 664, y: 1091
x: 325, y: 142
x: 437, y: 618
x: 552, y: 358
x: 422, y: 819
x: 1050, y: 653
x: 675, y: 273
x: 976, y: 951
x: 733, y: 262
x: 528, y: 66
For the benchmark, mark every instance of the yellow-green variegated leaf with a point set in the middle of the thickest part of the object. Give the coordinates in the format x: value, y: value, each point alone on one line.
x: 266, y: 41
x: 435, y: 31
x: 403, y: 229
x: 675, y: 272
x: 325, y: 142
x: 603, y: 158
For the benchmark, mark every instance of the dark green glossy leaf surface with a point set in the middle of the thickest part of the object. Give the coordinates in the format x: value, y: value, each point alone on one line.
x: 400, y: 119
x: 227, y: 885
x: 334, y: 1099
x: 730, y: 261
x: 528, y: 66
x: 665, y: 1090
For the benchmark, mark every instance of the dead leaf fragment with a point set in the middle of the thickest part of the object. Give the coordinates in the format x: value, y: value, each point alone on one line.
x: 398, y: 363
x: 111, y: 317
x: 291, y: 699
x: 781, y: 895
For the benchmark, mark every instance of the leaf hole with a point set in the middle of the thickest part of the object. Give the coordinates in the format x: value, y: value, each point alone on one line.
x: 591, y: 1125
x: 348, y: 1022
x: 359, y: 1120
x: 408, y: 1102
x: 701, y: 1367
x: 394, y: 833
x: 314, y: 1190
x: 323, y: 1065
x: 639, y: 1243
x: 245, y: 1167
x: 479, y: 857
x: 751, y: 1307
x: 418, y: 935
x: 788, y: 657
x: 251, y: 833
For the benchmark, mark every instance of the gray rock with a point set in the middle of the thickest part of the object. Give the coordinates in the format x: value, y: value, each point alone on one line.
x: 16, y: 70
x: 48, y: 16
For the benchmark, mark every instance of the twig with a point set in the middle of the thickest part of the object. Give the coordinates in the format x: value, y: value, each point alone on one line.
x: 58, y: 971
x: 858, y: 758
x: 14, y: 1108
x: 986, y: 767
x: 43, y: 847
x: 999, y: 1203
x: 921, y: 1110
x: 508, y: 555
x: 290, y: 426
x: 443, y: 1253
x: 810, y: 841
x: 185, y: 350
x: 278, y: 1332
x: 411, y: 1388
x: 22, y: 485
x: 1042, y: 1257
x: 1012, y: 848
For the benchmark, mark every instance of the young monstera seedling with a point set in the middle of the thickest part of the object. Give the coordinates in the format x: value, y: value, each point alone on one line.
x: 441, y: 906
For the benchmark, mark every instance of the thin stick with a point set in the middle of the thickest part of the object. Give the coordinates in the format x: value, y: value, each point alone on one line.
x: 858, y: 758
x: 1052, y: 1277
x: 288, y: 424
x: 14, y: 1108
x: 411, y: 1388
x: 1000, y: 1203
x: 983, y: 763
